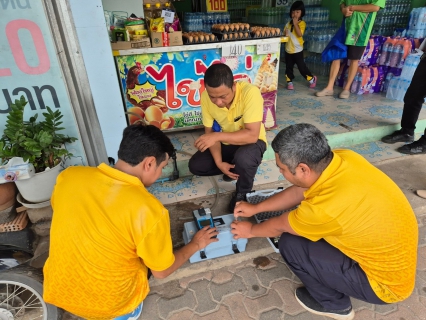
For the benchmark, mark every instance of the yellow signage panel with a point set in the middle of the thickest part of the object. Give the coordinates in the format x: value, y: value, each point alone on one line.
x: 217, y: 5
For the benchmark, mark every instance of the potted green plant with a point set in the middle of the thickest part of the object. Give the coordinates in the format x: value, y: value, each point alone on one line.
x: 37, y: 142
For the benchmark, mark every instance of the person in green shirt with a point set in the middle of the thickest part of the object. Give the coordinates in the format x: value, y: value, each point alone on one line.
x: 360, y: 16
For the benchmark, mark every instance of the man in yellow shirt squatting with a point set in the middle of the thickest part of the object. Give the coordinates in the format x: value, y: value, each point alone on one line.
x: 353, y: 234
x: 107, y: 230
x: 236, y: 148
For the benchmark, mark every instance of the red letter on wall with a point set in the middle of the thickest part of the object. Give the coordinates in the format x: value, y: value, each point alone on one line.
x: 12, y: 29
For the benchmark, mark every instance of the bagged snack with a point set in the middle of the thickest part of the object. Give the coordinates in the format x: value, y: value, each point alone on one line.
x: 172, y: 27
x: 157, y: 25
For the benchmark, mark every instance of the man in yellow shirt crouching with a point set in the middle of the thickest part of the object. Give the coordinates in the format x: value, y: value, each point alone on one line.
x: 236, y: 148
x: 353, y: 234
x: 107, y: 230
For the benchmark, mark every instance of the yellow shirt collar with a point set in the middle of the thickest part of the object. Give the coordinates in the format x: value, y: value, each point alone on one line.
x: 119, y: 175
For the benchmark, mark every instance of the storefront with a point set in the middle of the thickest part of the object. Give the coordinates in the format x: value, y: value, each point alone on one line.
x: 39, y: 62
x: 58, y: 54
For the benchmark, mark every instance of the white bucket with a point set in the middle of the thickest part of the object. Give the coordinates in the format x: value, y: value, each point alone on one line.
x: 40, y: 187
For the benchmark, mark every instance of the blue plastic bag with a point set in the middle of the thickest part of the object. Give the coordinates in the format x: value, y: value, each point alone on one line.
x: 336, y: 48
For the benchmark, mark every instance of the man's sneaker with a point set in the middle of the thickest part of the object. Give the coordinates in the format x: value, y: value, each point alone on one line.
x: 236, y: 196
x: 417, y: 147
x: 398, y: 136
x: 309, y: 303
x: 227, y: 178
x: 290, y: 86
x: 313, y: 83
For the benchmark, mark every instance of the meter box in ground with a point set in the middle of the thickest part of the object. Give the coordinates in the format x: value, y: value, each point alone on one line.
x: 225, y: 246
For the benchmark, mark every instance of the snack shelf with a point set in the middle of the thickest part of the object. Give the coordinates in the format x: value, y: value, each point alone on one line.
x: 200, y: 46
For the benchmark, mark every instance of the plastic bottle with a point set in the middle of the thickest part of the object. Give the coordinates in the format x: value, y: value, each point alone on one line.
x: 386, y: 50
x: 356, y: 84
x: 396, y: 55
x: 148, y: 11
x: 157, y: 10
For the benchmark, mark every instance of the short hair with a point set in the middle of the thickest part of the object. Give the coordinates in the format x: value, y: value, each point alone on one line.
x: 298, y: 5
x: 140, y: 141
x: 302, y: 143
x: 217, y: 75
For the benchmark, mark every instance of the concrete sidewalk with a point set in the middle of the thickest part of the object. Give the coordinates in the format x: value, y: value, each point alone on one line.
x: 242, y: 287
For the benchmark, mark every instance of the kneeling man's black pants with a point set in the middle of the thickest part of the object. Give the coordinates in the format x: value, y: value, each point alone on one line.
x: 330, y: 276
x: 246, y: 158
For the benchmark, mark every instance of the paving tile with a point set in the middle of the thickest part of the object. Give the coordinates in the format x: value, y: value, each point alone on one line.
x: 413, y: 304
x: 421, y: 283
x: 150, y: 307
x: 222, y: 276
x: 385, y: 308
x: 184, y: 282
x: 285, y: 289
x: 422, y: 236
x: 172, y: 290
x: 276, y: 256
x: 222, y: 314
x: 254, y: 288
x: 266, y: 302
x: 234, y: 268
x: 421, y: 258
x: 204, y: 300
x: 170, y: 306
x: 365, y: 314
x: 422, y: 300
x: 273, y: 314
x: 70, y: 316
x: 236, y: 285
x: 236, y: 305
x: 270, y: 264
x: 281, y: 271
x: 402, y: 313
x: 359, y: 305
x: 182, y: 315
x: 307, y: 316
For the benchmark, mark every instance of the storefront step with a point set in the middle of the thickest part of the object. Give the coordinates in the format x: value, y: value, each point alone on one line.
x: 339, y: 140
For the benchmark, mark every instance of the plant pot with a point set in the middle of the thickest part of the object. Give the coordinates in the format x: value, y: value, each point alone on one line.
x: 7, y: 195
x: 40, y: 187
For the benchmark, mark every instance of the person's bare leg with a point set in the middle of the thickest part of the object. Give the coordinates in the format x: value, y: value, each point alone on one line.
x: 334, y: 70
x: 353, y: 68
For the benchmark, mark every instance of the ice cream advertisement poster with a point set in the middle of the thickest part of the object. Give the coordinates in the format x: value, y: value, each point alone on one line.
x: 164, y: 89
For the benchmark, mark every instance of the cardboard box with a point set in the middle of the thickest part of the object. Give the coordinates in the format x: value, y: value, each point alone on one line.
x: 175, y: 38
x: 126, y: 45
x: 164, y: 39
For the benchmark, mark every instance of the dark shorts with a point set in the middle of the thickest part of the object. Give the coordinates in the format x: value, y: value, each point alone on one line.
x: 355, y: 52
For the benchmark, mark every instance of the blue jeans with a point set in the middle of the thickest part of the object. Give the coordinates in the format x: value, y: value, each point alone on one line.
x: 134, y: 315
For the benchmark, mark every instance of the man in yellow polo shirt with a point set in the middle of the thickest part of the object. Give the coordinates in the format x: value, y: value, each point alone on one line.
x: 236, y: 149
x: 353, y: 234
x: 107, y: 230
